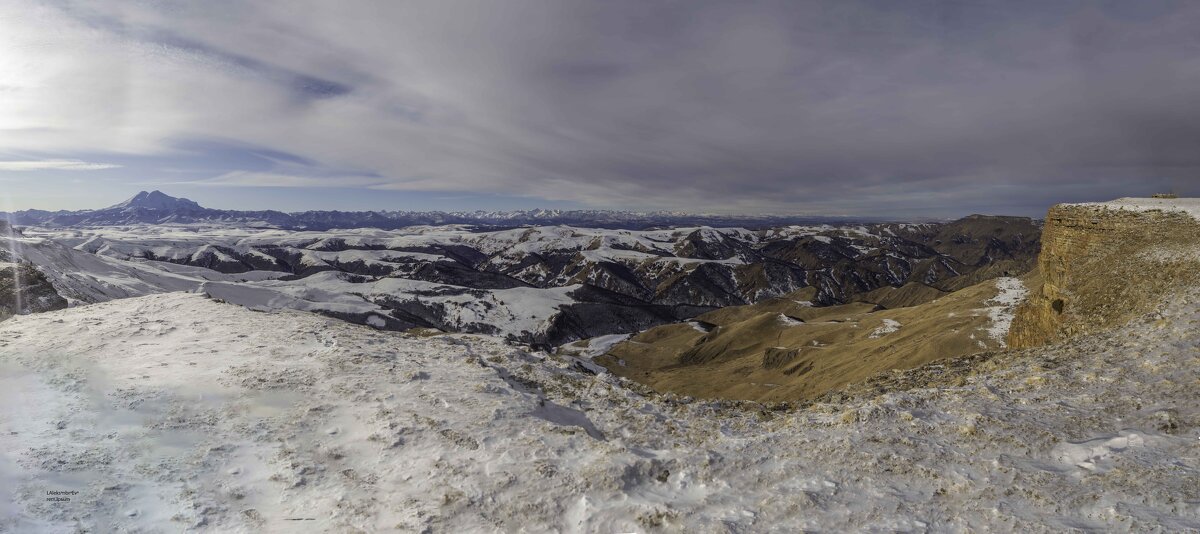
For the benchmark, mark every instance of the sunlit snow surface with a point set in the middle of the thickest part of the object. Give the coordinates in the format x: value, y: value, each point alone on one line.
x: 173, y: 412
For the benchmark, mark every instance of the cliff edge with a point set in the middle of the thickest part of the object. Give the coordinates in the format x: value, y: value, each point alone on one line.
x: 1102, y: 264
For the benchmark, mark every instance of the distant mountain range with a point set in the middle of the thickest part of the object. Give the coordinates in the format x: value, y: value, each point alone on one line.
x: 156, y: 207
x: 543, y: 285
x: 539, y: 277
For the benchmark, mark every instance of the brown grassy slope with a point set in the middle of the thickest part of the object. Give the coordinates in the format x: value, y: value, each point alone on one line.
x: 781, y: 350
x: 910, y: 294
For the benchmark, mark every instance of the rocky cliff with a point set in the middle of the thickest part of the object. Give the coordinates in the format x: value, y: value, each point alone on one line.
x: 25, y: 290
x: 1103, y: 264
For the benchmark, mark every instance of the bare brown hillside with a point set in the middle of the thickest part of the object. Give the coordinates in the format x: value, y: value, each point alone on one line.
x: 785, y: 349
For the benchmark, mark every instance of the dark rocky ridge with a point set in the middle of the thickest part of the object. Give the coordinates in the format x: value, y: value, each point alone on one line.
x: 24, y: 290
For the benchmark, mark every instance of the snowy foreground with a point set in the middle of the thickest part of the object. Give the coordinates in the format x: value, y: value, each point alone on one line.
x: 173, y: 412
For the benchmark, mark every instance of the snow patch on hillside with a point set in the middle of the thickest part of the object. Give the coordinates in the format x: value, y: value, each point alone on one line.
x: 789, y: 321
x: 889, y: 326
x: 1012, y: 292
x: 601, y: 344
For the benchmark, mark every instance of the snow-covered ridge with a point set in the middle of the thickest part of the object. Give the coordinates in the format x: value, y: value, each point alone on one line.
x: 1190, y: 206
x: 543, y: 285
x: 173, y: 412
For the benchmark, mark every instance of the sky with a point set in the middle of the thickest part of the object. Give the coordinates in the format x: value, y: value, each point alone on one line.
x: 860, y: 108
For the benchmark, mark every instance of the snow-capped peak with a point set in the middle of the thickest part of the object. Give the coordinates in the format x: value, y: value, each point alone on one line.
x: 156, y: 200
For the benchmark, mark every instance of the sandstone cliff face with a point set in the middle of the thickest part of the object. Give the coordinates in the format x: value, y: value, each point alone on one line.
x: 1101, y: 265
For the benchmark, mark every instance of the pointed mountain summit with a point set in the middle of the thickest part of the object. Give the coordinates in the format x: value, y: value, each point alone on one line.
x: 156, y: 200
x: 153, y: 207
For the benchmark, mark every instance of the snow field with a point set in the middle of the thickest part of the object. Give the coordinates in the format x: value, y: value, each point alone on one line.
x: 174, y: 412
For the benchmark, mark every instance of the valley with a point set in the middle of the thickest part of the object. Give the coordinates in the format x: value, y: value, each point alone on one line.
x: 541, y: 285
x: 227, y: 378
x: 784, y: 350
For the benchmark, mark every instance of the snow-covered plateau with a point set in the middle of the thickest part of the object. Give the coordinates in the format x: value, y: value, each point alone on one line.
x: 1188, y: 206
x: 174, y: 412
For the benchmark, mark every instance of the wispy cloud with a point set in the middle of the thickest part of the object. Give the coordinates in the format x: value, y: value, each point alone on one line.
x: 54, y: 164
x: 272, y: 179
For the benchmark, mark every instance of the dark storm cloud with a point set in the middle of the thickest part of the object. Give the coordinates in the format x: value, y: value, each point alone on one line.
x: 907, y: 108
x: 833, y: 104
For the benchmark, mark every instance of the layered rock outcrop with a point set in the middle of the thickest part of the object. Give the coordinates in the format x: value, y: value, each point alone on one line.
x: 1103, y: 264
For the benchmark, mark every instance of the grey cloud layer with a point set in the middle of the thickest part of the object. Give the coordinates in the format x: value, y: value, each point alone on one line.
x: 837, y: 107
